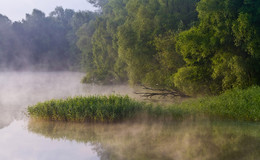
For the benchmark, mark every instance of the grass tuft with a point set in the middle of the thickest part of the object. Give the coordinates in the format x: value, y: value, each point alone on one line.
x: 80, y: 109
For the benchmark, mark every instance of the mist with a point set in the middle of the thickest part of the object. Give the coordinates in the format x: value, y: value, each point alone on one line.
x: 125, y: 140
x: 42, y: 42
x: 22, y: 89
x: 165, y: 46
x: 181, y: 141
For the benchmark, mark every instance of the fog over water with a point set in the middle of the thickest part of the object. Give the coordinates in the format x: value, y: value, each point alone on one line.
x: 21, y: 89
x: 25, y: 139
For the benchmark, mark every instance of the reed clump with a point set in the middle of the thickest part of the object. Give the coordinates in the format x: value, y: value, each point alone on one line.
x: 93, y: 108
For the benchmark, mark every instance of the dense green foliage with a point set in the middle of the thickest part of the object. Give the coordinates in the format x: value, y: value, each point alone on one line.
x: 100, y: 109
x: 134, y: 40
x: 235, y: 104
x: 222, y: 51
x: 193, y: 46
x: 203, y: 47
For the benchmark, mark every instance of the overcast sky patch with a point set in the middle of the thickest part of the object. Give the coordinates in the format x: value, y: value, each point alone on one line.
x: 16, y: 10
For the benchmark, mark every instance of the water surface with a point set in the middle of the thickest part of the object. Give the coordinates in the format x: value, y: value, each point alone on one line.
x: 24, y: 139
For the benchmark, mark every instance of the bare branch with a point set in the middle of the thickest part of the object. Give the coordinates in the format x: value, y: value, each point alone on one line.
x: 160, y: 92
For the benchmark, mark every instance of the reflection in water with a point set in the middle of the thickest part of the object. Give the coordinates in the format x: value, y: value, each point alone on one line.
x: 16, y: 143
x: 126, y: 141
x: 180, y: 141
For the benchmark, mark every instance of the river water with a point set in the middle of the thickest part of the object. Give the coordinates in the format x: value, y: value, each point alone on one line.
x: 25, y: 139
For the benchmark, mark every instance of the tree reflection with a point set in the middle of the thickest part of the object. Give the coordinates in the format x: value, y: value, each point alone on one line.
x: 179, y: 140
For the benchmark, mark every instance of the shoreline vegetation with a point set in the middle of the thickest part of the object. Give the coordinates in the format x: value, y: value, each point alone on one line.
x: 191, y: 46
x: 235, y: 104
x: 194, y: 47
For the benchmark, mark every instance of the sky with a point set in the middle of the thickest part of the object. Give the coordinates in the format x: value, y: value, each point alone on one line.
x: 15, y: 10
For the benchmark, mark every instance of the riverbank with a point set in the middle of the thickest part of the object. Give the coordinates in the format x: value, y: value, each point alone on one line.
x: 236, y: 104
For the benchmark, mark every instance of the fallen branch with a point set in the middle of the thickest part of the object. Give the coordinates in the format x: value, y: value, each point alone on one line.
x: 160, y: 92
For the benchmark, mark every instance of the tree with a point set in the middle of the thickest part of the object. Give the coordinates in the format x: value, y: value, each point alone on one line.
x: 98, y: 3
x: 139, y: 45
x: 104, y: 66
x: 5, y: 41
x: 226, y: 41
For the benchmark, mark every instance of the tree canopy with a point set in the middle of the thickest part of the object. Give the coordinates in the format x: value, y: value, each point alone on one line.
x: 193, y: 46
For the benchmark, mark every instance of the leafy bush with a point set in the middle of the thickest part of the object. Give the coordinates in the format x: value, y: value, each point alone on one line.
x: 234, y: 104
x: 191, y: 80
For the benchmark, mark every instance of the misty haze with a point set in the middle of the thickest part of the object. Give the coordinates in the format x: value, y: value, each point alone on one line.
x: 130, y: 80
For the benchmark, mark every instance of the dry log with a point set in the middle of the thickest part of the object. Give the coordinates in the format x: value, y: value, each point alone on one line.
x: 160, y: 92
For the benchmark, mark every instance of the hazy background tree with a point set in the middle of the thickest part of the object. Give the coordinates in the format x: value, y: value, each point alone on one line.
x: 42, y: 43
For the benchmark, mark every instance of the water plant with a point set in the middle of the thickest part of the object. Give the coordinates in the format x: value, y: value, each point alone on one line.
x: 234, y: 104
x: 93, y: 108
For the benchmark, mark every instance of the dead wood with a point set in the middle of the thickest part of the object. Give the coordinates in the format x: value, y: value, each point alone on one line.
x: 159, y: 92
